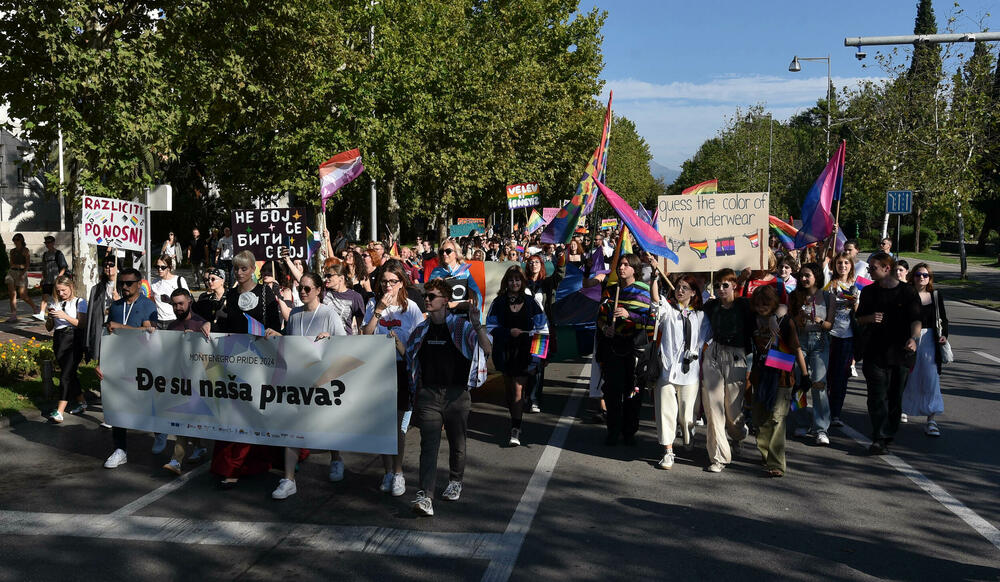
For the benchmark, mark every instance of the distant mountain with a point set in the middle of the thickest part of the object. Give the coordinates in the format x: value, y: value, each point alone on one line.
x: 668, y: 175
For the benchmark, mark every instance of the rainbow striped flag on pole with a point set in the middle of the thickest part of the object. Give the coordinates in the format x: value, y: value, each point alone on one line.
x: 540, y: 345
x: 784, y: 231
x: 706, y: 187
x: 535, y: 221
x: 337, y: 172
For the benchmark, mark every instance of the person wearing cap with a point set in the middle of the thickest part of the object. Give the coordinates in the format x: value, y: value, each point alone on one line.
x: 53, y: 266
x: 209, y: 304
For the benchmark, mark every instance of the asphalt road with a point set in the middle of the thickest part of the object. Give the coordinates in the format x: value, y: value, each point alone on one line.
x: 563, y: 506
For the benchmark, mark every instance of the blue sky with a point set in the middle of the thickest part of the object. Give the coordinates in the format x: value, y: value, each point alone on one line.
x: 679, y: 67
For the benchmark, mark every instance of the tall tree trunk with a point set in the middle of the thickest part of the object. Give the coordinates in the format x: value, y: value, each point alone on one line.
x: 442, y: 224
x: 916, y: 230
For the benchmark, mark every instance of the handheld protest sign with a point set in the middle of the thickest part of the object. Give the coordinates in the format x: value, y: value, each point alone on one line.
x: 265, y: 232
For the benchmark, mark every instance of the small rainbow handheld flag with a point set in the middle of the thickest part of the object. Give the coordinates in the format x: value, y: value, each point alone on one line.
x: 706, y: 187
x: 540, y: 345
x: 779, y: 360
x: 798, y: 402
x: 146, y: 289
x: 535, y: 221
x: 254, y: 327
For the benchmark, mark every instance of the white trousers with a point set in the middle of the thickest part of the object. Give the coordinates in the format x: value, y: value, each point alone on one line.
x: 675, y: 403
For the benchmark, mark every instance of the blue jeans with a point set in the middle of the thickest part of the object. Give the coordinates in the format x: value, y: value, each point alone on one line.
x: 816, y: 349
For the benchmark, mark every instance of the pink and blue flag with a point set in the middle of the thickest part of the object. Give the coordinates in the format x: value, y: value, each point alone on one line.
x: 779, y: 360
x: 862, y: 282
x: 645, y: 216
x: 645, y: 235
x: 337, y: 172
x: 817, y: 223
x: 254, y: 327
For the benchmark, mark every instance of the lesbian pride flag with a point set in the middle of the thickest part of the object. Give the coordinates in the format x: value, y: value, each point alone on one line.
x: 706, y: 187
x: 337, y: 172
x: 817, y: 223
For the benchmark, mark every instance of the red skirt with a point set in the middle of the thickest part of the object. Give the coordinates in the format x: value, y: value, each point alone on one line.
x: 235, y: 460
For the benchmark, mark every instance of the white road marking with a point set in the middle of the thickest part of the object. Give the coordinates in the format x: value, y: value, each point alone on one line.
x: 973, y: 519
x: 160, y: 492
x: 327, y: 538
x: 502, y: 564
x: 988, y: 357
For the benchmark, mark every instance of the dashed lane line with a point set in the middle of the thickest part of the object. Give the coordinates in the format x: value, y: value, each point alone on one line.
x: 990, y: 357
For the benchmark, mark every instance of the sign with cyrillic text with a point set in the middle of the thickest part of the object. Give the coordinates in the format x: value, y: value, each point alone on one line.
x: 337, y: 393
x: 119, y: 224
x: 264, y: 232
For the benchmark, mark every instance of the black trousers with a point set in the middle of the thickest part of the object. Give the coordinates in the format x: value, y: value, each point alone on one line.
x: 434, y: 407
x: 885, y: 398
x: 68, y: 355
x: 619, y: 385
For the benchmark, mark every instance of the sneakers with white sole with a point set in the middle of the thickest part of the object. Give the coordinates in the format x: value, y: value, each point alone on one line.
x: 173, y: 466
x: 159, y: 443
x: 715, y: 468
x: 453, y: 491
x: 398, y: 485
x: 116, y: 459
x: 854, y: 371
x: 515, y: 437
x: 386, y: 485
x: 56, y: 416
x: 822, y: 439
x: 535, y: 409
x: 337, y: 471
x: 903, y: 418
x: 667, y: 461
x: 286, y: 488
x: 423, y: 505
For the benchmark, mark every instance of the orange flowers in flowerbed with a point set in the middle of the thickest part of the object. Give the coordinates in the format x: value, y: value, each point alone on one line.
x: 23, y: 360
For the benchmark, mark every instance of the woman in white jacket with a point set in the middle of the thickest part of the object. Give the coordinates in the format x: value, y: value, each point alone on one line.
x: 676, y: 394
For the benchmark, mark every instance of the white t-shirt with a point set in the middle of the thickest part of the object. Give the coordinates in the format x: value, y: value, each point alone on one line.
x: 226, y: 248
x: 312, y: 323
x: 861, y: 269
x: 401, y: 321
x: 75, y: 308
x: 160, y: 287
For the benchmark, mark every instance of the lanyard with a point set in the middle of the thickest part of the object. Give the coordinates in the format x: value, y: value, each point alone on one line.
x: 309, y: 327
x: 128, y: 312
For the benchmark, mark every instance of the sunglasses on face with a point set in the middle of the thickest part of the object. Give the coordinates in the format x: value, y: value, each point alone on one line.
x: 922, y: 275
x: 305, y: 289
x: 127, y: 283
x: 447, y: 251
x: 328, y: 276
x: 431, y: 296
x: 160, y: 267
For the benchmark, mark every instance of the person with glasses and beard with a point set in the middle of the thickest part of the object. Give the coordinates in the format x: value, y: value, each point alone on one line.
x: 133, y: 311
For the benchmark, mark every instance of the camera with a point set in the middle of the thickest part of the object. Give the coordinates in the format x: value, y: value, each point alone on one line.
x: 860, y: 55
x: 689, y: 356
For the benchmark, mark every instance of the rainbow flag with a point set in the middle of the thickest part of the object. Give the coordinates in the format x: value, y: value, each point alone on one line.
x: 535, y: 221
x: 645, y: 235
x: 146, y: 289
x: 700, y: 247
x: 540, y: 345
x: 622, y: 247
x: 561, y: 228
x: 817, y: 223
x: 799, y: 401
x: 254, y: 327
x: 706, y: 187
x: 337, y: 172
x: 394, y: 249
x: 784, y: 231
x: 725, y: 247
x: 779, y: 360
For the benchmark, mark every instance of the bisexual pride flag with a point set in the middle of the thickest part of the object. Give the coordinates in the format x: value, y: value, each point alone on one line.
x: 337, y: 172
x: 645, y: 235
x: 779, y: 360
x: 817, y: 223
x: 861, y: 283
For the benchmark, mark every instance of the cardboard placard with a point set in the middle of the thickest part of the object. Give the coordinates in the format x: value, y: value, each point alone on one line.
x: 265, y: 231
x: 714, y: 231
x: 522, y: 195
x: 119, y: 224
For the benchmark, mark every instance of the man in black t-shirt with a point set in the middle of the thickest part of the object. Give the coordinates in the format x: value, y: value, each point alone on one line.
x: 890, y: 312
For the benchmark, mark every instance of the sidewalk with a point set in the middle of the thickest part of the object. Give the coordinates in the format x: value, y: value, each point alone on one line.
x: 982, y: 288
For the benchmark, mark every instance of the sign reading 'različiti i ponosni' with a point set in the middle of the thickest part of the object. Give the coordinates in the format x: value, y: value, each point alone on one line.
x: 522, y: 195
x: 119, y: 224
x: 264, y: 232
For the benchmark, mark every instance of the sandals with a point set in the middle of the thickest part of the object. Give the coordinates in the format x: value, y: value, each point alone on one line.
x: 932, y: 429
x: 775, y: 473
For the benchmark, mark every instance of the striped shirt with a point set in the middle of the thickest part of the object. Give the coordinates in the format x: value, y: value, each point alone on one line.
x: 636, y: 299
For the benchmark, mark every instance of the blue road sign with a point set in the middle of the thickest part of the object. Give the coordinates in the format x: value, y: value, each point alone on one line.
x: 899, y: 202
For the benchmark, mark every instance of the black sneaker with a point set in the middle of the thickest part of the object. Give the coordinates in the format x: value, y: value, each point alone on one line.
x: 877, y: 448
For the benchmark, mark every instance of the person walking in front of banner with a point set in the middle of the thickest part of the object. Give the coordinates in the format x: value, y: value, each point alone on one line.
x: 922, y: 396
x: 133, y: 311
x: 625, y: 322
x: 514, y: 318
x: 675, y: 396
x: 729, y: 322
x: 311, y: 319
x: 813, y: 310
x: 232, y: 460
x: 210, y: 302
x: 543, y: 288
x: 844, y: 291
x: 163, y: 284
x: 890, y: 312
x: 66, y: 317
x: 772, y: 377
x: 102, y: 295
x: 393, y: 314
x: 17, y: 277
x: 446, y: 355
x: 185, y: 320
x: 451, y: 266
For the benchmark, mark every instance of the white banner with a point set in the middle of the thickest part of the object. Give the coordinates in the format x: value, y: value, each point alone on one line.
x: 119, y: 224
x: 713, y: 231
x: 337, y: 393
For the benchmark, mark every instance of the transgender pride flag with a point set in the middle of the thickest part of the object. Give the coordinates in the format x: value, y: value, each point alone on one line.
x: 817, y: 224
x: 337, y: 172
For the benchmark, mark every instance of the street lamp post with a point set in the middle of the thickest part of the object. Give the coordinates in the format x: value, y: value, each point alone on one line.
x: 795, y: 67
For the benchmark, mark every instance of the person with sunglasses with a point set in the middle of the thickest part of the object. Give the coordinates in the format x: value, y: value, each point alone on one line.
x: 452, y: 267
x: 392, y: 313
x: 164, y: 282
x: 922, y: 395
x: 729, y: 323
x: 102, y: 295
x: 347, y: 302
x: 133, y: 311
x: 311, y: 319
x: 210, y: 302
x: 446, y: 356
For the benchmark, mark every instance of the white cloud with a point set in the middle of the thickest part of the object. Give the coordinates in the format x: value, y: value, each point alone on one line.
x: 676, y: 118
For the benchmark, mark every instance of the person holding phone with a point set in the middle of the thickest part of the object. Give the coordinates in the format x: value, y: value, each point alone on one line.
x: 64, y: 318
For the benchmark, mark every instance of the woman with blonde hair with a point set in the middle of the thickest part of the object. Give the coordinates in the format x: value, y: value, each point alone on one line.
x: 842, y: 287
x: 67, y: 318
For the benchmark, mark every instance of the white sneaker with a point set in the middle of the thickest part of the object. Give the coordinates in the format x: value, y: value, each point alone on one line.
x: 173, y: 466
x: 56, y: 416
x: 423, y: 505
x: 386, y: 485
x: 117, y: 458
x: 667, y: 461
x: 535, y: 409
x: 453, y: 491
x: 398, y: 485
x: 515, y: 437
x: 286, y: 488
x: 106, y: 426
x: 854, y: 371
x: 715, y: 468
x: 159, y: 443
x: 822, y: 439
x: 198, y: 453
x: 903, y: 418
x: 700, y: 422
x: 337, y: 471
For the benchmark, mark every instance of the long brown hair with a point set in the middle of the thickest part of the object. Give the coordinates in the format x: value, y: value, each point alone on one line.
x: 512, y: 272
x: 930, y: 280
x: 396, y: 268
